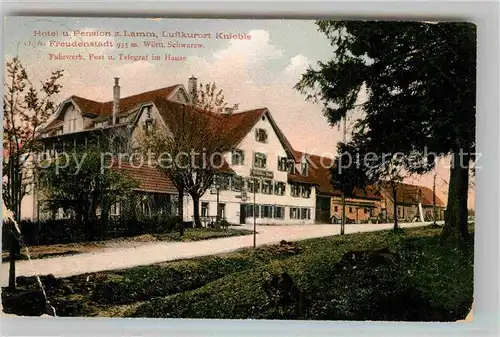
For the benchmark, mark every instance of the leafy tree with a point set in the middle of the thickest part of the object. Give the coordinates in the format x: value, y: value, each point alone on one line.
x: 82, y: 182
x: 419, y: 79
x: 189, y: 150
x: 25, y: 108
x: 346, y: 176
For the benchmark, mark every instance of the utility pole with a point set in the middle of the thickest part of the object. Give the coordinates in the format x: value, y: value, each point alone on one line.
x: 342, y: 222
x: 217, y: 187
x: 434, y: 197
x: 254, y: 219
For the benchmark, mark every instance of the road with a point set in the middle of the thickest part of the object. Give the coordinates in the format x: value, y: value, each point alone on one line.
x: 154, y: 252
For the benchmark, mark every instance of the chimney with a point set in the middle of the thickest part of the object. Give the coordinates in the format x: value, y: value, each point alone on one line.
x: 116, y: 99
x: 192, y: 86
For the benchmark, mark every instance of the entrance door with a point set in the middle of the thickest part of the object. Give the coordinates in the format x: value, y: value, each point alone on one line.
x: 243, y: 213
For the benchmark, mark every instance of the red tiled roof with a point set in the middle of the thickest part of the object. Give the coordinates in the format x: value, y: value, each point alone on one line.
x: 149, y: 178
x: 319, y: 174
x: 238, y: 125
x: 412, y: 194
x: 106, y: 108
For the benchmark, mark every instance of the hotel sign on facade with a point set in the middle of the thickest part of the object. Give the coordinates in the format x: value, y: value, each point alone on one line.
x: 261, y: 174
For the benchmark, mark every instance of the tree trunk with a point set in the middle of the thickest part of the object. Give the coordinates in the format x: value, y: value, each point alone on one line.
x: 434, y: 209
x: 103, y: 229
x: 196, y: 211
x: 455, y: 227
x: 395, y: 204
x: 12, y: 255
x: 180, y: 211
x: 342, y: 221
x: 15, y: 247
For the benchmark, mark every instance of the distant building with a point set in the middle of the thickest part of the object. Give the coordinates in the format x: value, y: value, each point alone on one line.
x: 360, y: 207
x: 408, y: 198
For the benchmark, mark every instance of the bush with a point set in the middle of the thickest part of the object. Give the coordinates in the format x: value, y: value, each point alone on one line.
x: 63, y: 231
x: 45, y: 232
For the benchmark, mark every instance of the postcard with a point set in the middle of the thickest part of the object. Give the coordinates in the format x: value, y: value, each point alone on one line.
x: 238, y: 169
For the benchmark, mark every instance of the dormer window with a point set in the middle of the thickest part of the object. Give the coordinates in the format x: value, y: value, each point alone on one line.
x: 149, y: 125
x: 149, y: 110
x: 291, y: 167
x: 261, y: 135
x: 72, y: 125
x: 303, y: 167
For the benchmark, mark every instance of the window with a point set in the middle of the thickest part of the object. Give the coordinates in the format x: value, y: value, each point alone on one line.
x: 336, y: 208
x: 295, y: 190
x: 350, y: 209
x: 249, y: 212
x: 72, y: 125
x: 294, y: 213
x: 267, y: 187
x: 222, y: 211
x: 238, y: 157
x: 279, y: 212
x: 366, y: 210
x: 261, y: 135
x: 149, y: 125
x: 303, y: 168
x: 251, y: 185
x: 279, y: 188
x: 291, y: 167
x: 305, y: 191
x: 115, y: 209
x: 305, y: 214
x: 149, y: 110
x: 282, y: 163
x: 224, y: 181
x: 59, y: 131
x: 257, y: 209
x: 204, y: 209
x: 260, y: 160
x: 267, y: 211
x: 237, y: 183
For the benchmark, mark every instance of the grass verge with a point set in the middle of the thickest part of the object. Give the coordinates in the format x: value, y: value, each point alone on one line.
x: 384, y: 275
x: 416, y: 278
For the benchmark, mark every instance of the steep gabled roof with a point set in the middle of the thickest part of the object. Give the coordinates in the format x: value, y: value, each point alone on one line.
x: 241, y: 123
x: 412, y: 194
x: 238, y: 125
x: 126, y: 103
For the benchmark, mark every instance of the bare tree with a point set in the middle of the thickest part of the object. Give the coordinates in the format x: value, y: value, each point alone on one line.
x: 26, y: 108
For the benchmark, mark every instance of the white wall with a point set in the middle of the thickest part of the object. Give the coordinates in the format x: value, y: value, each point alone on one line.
x: 71, y: 113
x: 273, y: 149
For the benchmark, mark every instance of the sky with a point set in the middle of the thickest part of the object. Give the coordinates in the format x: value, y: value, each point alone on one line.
x: 255, y: 73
